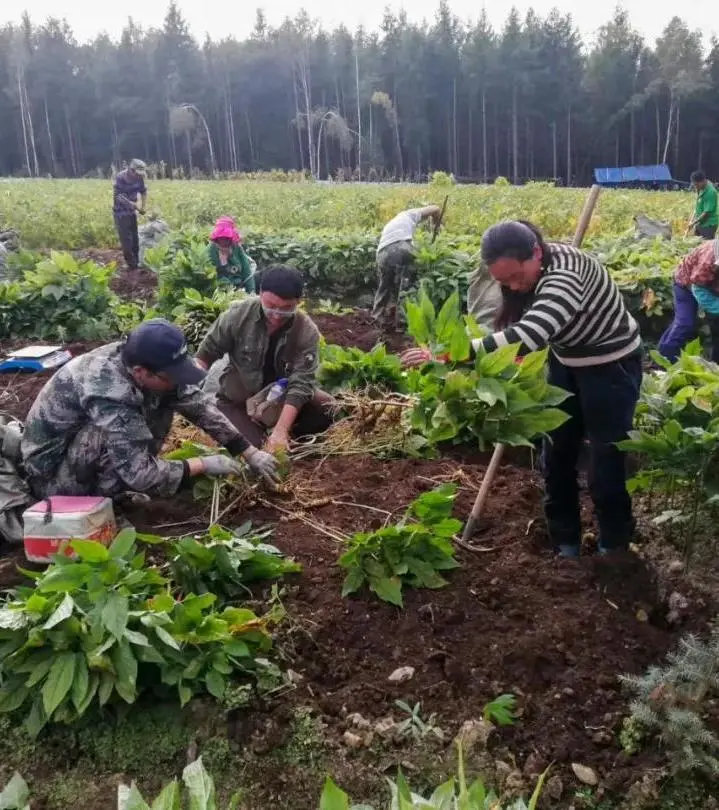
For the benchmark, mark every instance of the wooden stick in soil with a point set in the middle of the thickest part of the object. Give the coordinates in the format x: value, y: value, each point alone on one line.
x: 582, y: 225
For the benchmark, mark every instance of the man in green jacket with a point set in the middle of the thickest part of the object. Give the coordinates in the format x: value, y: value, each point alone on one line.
x: 268, y: 341
x: 706, y: 213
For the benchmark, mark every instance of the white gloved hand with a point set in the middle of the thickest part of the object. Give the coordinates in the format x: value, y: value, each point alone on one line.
x: 263, y: 464
x: 220, y: 465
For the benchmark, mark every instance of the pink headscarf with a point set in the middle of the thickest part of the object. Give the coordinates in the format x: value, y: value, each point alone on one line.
x: 225, y: 228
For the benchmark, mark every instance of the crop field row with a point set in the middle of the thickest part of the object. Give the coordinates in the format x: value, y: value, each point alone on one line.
x: 71, y: 214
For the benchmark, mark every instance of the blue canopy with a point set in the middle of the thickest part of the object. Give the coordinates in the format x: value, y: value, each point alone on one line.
x: 633, y: 174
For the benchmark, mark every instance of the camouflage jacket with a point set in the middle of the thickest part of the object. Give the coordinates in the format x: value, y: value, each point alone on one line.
x: 96, y: 389
x: 241, y: 333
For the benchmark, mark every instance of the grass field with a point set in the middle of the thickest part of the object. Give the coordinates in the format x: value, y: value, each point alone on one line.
x: 72, y: 214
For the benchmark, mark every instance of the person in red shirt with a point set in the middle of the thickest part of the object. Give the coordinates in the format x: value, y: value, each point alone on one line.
x: 700, y: 268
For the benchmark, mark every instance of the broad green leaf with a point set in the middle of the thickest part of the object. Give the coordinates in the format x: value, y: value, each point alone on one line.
x: 185, y: 694
x: 167, y: 638
x: 12, y: 697
x: 107, y: 684
x: 416, y: 324
x: 123, y: 543
x: 115, y: 613
x: 140, y: 639
x: 126, y: 668
x: 169, y: 799
x: 491, y: 391
x: 62, y: 612
x: 448, y: 318
x: 333, y: 797
x: 81, y: 682
x: 37, y: 719
x: 130, y: 798
x: 58, y: 682
x: 90, y: 694
x: 39, y: 671
x: 494, y: 363
x: 459, y: 345
x: 443, y: 797
x: 388, y: 589
x: 16, y: 794
x: 216, y: 684
x: 533, y: 363
x: 200, y: 787
x: 90, y: 551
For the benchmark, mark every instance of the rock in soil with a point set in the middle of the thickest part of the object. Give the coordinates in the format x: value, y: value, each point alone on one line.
x: 585, y: 775
x: 352, y: 740
x: 401, y: 675
x: 474, y: 733
x: 554, y: 788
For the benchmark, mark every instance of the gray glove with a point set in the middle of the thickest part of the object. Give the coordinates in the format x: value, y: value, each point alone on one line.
x: 263, y: 464
x: 221, y: 465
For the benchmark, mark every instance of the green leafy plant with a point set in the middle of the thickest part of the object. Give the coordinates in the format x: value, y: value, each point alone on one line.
x: 61, y: 298
x: 199, y: 793
x: 196, y: 312
x: 15, y: 795
x: 224, y: 562
x: 495, y: 401
x: 677, y: 703
x: 500, y: 711
x: 410, y: 553
x: 103, y: 627
x: 352, y: 369
x: 414, y: 726
x: 443, y: 332
x: 676, y: 441
x: 455, y: 794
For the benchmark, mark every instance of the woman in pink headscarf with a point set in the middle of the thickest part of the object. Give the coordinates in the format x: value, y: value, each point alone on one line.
x: 226, y: 253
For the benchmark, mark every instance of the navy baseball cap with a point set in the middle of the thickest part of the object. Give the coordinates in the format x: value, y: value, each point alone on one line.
x: 160, y: 346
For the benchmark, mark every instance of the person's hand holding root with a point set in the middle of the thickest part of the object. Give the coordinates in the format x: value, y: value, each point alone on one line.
x: 218, y: 466
x: 279, y: 440
x: 263, y: 464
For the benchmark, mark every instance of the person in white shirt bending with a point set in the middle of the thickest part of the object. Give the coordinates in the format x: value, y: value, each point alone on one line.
x: 395, y: 256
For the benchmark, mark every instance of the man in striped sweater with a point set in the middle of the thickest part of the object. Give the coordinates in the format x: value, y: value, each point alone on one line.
x: 576, y: 310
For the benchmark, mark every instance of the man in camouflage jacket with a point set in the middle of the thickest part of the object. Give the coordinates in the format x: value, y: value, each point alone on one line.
x: 267, y: 339
x: 98, y: 424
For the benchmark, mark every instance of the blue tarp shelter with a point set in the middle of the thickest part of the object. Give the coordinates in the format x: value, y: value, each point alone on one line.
x: 634, y: 174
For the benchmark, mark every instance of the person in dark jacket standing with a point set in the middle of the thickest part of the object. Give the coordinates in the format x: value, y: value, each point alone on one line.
x: 129, y: 198
x: 594, y: 353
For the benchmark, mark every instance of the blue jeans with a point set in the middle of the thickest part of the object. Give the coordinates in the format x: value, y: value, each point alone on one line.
x: 683, y: 328
x: 601, y: 408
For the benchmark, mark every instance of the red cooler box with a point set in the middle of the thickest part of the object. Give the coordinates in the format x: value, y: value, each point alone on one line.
x: 51, y: 522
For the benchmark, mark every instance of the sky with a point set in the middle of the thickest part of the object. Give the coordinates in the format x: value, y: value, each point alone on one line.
x: 236, y: 18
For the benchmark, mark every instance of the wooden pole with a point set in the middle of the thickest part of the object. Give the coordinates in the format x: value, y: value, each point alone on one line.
x: 469, y: 528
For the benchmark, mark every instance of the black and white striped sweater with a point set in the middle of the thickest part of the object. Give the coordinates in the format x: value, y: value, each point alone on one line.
x: 577, y: 310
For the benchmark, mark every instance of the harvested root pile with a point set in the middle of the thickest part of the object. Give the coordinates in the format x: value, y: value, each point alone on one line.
x: 183, y: 431
x: 372, y: 426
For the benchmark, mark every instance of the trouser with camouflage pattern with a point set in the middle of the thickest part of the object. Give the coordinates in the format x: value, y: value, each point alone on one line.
x: 394, y: 266
x: 86, y: 469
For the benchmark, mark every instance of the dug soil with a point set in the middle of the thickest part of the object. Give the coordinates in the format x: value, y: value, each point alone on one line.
x: 512, y: 619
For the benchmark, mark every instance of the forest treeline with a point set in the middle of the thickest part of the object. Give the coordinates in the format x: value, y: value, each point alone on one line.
x: 529, y: 101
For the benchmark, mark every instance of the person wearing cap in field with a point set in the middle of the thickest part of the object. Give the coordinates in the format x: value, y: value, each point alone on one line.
x: 269, y: 342
x: 129, y: 198
x: 97, y: 426
x: 228, y: 257
x: 395, y: 255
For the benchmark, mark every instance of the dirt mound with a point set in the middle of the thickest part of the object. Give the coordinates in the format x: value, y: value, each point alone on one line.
x: 513, y: 618
x: 358, y: 329
x: 135, y: 285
